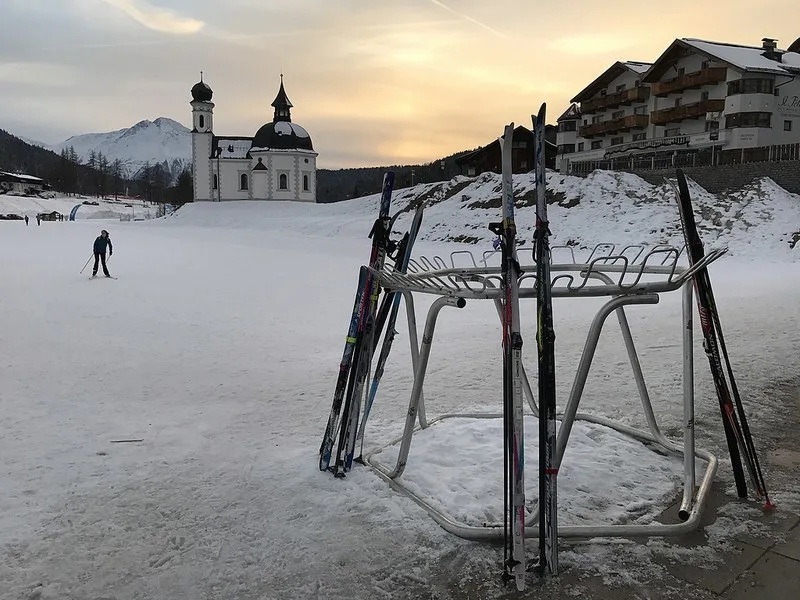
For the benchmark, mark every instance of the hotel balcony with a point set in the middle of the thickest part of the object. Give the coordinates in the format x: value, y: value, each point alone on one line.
x: 636, y: 94
x: 691, y: 80
x: 688, y: 111
x: 622, y: 124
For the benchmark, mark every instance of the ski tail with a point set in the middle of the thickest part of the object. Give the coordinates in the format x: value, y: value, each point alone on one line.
x: 545, y: 338
x: 734, y: 420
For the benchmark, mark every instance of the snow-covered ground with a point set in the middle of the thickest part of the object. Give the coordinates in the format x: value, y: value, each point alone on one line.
x: 218, y: 348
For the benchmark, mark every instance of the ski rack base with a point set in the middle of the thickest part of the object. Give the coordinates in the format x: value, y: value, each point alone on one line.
x: 632, y: 276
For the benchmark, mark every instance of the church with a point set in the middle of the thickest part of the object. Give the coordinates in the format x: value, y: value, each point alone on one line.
x: 278, y: 163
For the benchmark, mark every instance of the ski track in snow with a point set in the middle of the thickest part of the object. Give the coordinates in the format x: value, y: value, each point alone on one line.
x: 218, y: 347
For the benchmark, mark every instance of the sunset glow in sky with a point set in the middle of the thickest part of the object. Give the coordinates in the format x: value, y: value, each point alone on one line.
x: 375, y: 82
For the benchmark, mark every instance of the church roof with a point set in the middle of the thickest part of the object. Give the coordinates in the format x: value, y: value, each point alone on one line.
x: 282, y: 135
x: 201, y: 91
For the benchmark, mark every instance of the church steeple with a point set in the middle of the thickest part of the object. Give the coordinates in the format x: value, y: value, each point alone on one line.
x: 282, y: 106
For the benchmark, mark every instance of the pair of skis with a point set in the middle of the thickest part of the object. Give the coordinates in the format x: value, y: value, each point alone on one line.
x: 366, y: 324
x: 514, y: 563
x: 734, y: 420
x: 354, y: 366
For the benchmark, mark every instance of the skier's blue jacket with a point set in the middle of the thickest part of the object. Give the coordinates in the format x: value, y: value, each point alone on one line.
x: 100, y: 245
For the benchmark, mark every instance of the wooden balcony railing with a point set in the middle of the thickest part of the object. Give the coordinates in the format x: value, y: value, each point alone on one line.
x: 622, y: 124
x: 636, y: 94
x: 692, y: 80
x: 688, y: 111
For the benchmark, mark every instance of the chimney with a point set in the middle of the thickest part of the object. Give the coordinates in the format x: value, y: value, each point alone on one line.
x: 770, y: 46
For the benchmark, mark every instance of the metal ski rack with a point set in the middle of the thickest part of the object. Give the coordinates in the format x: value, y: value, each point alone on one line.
x: 630, y: 275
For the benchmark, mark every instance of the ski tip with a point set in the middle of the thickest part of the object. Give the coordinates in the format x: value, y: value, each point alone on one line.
x: 768, y: 507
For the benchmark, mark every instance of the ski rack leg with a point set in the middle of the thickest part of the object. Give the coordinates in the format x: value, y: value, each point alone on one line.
x: 413, y: 340
x: 595, y: 329
x: 687, y: 308
x: 419, y: 379
x: 688, y: 451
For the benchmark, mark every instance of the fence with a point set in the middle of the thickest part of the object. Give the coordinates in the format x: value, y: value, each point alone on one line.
x: 700, y: 157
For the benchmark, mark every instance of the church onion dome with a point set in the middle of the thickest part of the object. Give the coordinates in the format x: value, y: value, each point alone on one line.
x: 282, y: 135
x: 201, y: 92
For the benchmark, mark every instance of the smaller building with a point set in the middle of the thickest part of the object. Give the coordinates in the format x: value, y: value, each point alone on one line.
x: 487, y: 158
x: 18, y: 183
x: 51, y: 216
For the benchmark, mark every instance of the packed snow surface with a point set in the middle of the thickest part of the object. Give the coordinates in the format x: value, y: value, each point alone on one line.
x: 160, y: 431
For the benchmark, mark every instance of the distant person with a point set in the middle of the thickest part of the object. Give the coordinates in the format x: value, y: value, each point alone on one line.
x: 26, y: 220
x: 38, y: 219
x: 100, y: 244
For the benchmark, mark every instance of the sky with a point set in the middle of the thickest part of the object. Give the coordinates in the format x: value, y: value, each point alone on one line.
x: 375, y: 82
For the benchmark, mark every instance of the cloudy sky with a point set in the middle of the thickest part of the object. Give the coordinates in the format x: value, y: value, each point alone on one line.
x: 374, y: 81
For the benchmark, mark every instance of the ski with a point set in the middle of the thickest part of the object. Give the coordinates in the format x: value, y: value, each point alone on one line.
x: 545, y: 339
x: 364, y: 346
x: 514, y: 565
x: 734, y: 419
x: 392, y: 301
x: 354, y: 333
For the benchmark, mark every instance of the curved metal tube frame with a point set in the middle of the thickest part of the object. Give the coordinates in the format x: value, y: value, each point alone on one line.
x: 691, y: 506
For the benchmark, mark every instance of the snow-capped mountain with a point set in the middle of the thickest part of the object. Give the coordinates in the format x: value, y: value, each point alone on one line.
x: 163, y: 141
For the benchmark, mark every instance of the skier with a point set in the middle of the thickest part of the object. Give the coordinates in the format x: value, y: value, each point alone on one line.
x: 100, y: 245
x: 26, y: 220
x: 38, y: 219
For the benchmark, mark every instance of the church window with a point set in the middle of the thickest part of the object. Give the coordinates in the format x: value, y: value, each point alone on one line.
x: 215, y: 181
x: 243, y: 181
x: 201, y: 120
x: 283, y: 181
x: 305, y: 183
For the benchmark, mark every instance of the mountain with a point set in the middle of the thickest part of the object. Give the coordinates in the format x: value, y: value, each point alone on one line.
x: 161, y: 141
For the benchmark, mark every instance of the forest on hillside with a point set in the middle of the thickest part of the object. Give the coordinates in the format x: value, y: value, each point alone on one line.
x: 68, y: 174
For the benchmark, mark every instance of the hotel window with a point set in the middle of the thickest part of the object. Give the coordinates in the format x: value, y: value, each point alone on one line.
x: 703, y: 96
x: 678, y: 102
x: 568, y: 126
x: 618, y: 114
x: 787, y: 125
x: 580, y: 146
x: 751, y: 86
x: 638, y: 137
x: 705, y: 64
x: 672, y: 132
x: 637, y: 83
x: 748, y: 119
x: 621, y: 87
x: 596, y: 120
x: 597, y: 144
x: 712, y: 126
x: 617, y: 140
x: 640, y: 110
x: 566, y: 148
x: 681, y: 71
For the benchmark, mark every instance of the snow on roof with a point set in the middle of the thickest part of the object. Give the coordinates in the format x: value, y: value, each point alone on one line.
x: 233, y: 147
x: 21, y: 177
x: 287, y: 128
x: 639, y: 67
x: 746, y: 58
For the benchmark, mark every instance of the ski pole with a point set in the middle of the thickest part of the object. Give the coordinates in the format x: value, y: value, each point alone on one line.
x: 86, y: 265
